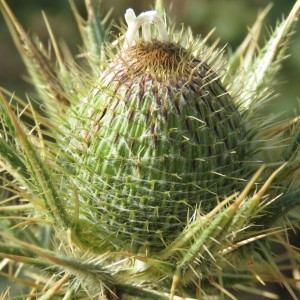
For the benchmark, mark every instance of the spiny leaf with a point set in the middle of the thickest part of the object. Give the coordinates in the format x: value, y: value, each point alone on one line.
x: 42, y: 72
x: 94, y: 32
x: 244, y: 55
x: 264, y: 66
x: 43, y: 179
x: 77, y: 266
x: 8, y: 153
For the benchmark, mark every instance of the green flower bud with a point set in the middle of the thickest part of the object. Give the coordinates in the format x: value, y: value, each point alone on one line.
x: 158, y: 138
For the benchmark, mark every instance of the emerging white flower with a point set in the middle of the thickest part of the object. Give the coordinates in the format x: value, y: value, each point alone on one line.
x: 144, y: 20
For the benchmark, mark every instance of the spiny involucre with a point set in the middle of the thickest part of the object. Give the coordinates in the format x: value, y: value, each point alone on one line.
x: 137, y: 171
x: 157, y: 138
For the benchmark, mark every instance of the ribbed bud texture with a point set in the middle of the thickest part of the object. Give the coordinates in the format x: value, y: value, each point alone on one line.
x: 157, y: 138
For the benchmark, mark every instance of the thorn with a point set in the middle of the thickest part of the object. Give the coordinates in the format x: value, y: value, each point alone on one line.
x: 175, y: 281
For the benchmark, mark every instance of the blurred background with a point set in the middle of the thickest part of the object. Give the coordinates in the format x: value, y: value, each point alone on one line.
x: 231, y: 18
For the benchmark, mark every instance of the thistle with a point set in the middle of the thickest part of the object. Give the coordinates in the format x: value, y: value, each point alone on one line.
x: 146, y: 176
x: 157, y: 137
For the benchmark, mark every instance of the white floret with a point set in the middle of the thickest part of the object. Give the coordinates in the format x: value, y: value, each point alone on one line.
x: 144, y: 21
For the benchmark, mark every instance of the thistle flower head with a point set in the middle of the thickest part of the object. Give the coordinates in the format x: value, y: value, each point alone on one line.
x: 156, y: 139
x: 153, y: 179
